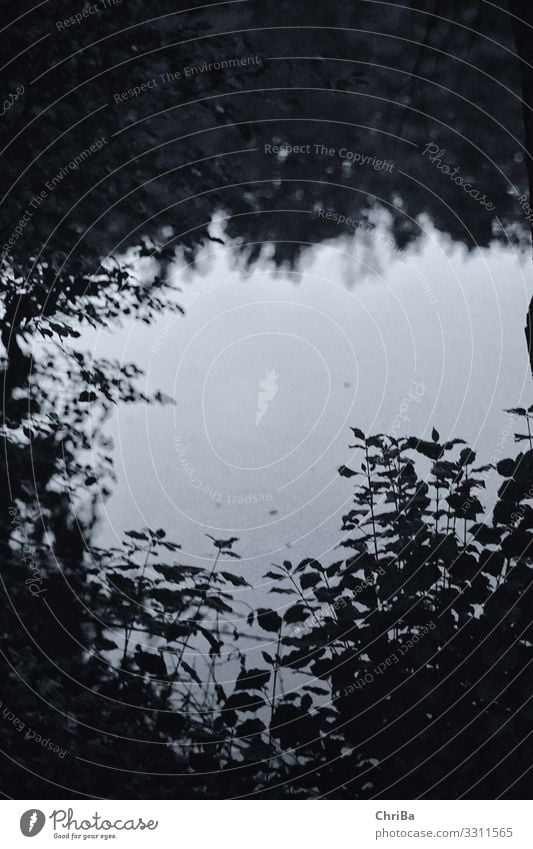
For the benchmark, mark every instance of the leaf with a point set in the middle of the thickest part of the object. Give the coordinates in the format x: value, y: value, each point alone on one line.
x: 216, y: 603
x: 345, y: 472
x: 219, y: 690
x: 296, y: 613
x: 306, y: 702
x: 211, y: 639
x: 170, y: 546
x: 136, y: 535
x: 176, y: 630
x: 467, y: 457
x: 492, y: 562
x: 357, y: 433
x: 268, y: 619
x: 311, y: 562
x: 309, y: 579
x: 428, y: 449
x: 223, y: 543
x: 249, y: 727
x: 268, y: 658
x: 103, y: 644
x: 244, y: 701
x: 435, y: 435
x: 255, y: 679
x: 335, y: 568
x: 518, y: 543
x: 467, y: 507
x: 192, y: 672
x: 171, y: 599
x: 449, y: 445
x: 122, y: 584
x: 283, y: 715
x: 64, y: 331
x: 236, y: 580
x: 300, y: 657
x: 486, y: 535
x: 506, y: 468
x: 170, y: 573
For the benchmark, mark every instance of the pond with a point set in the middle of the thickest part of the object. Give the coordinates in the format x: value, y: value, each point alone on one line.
x: 360, y: 335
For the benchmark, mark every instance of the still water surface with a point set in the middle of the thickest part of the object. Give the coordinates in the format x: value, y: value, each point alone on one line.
x: 270, y: 369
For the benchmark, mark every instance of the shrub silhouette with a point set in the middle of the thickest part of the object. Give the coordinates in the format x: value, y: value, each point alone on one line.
x: 399, y: 671
x: 421, y: 637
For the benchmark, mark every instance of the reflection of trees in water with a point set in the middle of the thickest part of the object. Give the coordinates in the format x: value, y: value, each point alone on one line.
x: 399, y: 79
x: 357, y: 694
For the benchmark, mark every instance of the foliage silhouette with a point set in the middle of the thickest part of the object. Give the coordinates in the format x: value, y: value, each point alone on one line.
x: 400, y: 669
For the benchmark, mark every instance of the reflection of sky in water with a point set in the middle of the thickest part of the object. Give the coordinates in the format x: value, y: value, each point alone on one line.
x: 340, y: 355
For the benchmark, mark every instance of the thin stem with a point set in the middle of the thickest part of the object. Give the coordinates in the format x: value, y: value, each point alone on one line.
x: 130, y: 623
x: 198, y: 606
x: 273, y: 703
x: 371, y: 499
x: 304, y: 600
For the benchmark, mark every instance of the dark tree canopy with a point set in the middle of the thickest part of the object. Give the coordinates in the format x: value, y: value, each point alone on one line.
x: 382, y: 80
